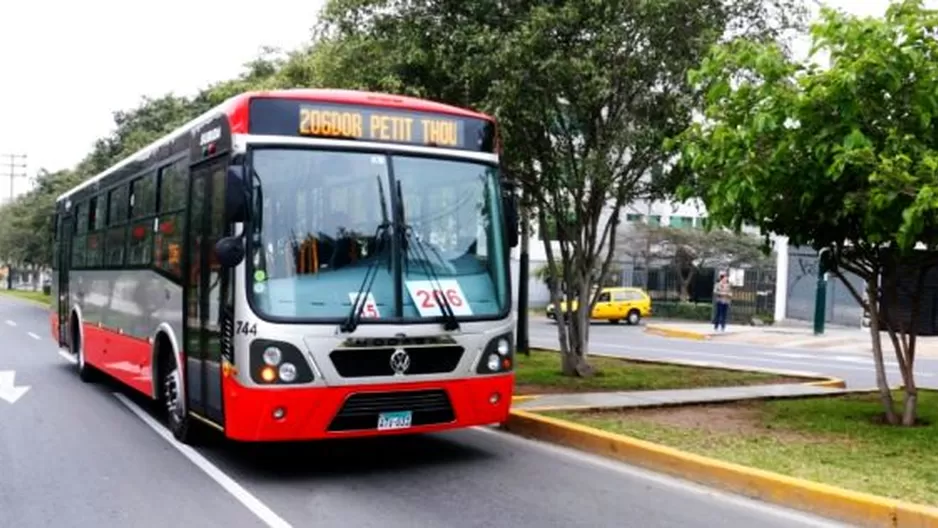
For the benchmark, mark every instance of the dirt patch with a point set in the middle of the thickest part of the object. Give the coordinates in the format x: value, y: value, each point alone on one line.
x: 740, y: 419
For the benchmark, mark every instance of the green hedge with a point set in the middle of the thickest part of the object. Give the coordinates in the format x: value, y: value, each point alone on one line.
x: 740, y: 314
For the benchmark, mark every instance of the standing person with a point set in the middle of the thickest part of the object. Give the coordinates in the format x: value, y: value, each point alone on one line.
x: 722, y: 292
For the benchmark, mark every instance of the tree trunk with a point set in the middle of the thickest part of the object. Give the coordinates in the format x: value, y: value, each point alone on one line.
x: 574, y: 361
x: 685, y: 284
x: 885, y: 395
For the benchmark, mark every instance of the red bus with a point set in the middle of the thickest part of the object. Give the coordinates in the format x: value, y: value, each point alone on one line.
x: 298, y: 264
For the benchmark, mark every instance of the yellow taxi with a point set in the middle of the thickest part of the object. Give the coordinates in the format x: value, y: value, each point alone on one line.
x: 615, y: 304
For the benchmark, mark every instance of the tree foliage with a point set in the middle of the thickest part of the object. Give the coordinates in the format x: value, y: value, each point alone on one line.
x: 843, y: 158
x: 585, y: 91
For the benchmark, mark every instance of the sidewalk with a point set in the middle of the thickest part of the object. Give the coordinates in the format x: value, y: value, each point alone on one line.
x: 601, y: 400
x: 834, y: 338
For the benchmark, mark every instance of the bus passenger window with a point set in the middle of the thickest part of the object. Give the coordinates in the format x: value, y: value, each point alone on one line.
x: 139, y: 243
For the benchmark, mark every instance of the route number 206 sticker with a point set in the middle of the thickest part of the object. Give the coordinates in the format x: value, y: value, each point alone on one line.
x: 427, y: 294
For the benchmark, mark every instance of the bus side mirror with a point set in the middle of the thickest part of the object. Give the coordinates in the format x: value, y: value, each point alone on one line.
x: 230, y: 251
x: 236, y: 195
x: 510, y: 201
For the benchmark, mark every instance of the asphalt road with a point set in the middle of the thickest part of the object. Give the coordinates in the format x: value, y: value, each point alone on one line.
x: 854, y: 368
x: 80, y: 455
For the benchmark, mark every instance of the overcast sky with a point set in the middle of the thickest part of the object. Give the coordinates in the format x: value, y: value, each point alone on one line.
x: 67, y: 65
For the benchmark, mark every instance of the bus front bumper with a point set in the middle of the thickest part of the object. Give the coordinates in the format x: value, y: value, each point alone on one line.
x: 285, y: 414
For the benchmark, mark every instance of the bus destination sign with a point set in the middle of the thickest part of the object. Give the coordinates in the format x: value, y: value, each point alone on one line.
x: 367, y: 123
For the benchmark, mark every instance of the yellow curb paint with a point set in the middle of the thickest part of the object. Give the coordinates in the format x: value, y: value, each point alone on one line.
x: 675, y: 332
x: 523, y: 398
x: 830, y: 501
x: 832, y: 383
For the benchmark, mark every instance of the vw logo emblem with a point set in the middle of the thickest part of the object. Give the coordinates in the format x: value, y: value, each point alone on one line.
x: 400, y: 361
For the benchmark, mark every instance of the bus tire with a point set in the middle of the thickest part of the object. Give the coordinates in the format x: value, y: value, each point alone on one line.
x: 86, y: 372
x: 178, y: 420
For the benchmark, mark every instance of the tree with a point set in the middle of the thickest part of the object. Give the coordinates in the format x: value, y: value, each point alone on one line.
x: 585, y: 92
x: 843, y: 158
x: 690, y: 250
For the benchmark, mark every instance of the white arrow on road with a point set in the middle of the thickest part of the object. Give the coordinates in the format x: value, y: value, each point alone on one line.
x: 8, y: 391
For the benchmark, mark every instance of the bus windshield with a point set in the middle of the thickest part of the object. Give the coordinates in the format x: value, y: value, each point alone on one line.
x: 317, y: 229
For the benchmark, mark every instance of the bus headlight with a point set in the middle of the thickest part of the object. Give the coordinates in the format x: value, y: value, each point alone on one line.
x: 272, y: 356
x: 494, y: 362
x: 498, y: 356
x: 288, y: 372
x: 278, y: 363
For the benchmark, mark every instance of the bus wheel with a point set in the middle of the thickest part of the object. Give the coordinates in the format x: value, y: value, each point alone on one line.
x: 86, y: 372
x: 177, y: 416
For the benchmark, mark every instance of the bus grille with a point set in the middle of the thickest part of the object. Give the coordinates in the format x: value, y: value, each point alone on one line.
x: 364, y: 362
x: 360, y: 411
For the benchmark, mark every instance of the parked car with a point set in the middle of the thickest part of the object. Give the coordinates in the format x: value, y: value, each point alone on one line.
x: 615, y: 304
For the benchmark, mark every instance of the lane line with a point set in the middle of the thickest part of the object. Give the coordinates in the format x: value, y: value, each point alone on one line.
x: 667, y: 481
x: 11, y: 323
x: 68, y: 357
x: 243, y: 496
x: 34, y: 336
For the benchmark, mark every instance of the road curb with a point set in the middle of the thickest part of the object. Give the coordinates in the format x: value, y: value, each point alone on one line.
x: 675, y: 332
x: 822, y: 499
x: 523, y: 398
x: 831, y: 383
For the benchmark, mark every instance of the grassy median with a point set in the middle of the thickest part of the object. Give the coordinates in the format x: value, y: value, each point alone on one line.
x: 35, y: 296
x: 837, y: 440
x: 540, y: 374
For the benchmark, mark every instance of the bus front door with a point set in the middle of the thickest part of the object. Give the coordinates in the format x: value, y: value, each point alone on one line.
x: 207, y: 287
x: 63, y: 261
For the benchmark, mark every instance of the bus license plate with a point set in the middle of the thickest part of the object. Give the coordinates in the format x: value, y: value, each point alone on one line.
x: 394, y: 420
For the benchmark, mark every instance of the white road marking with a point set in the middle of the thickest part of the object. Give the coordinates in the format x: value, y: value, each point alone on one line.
x: 68, y: 357
x: 662, y: 479
x: 243, y: 496
x: 34, y: 336
x: 11, y: 323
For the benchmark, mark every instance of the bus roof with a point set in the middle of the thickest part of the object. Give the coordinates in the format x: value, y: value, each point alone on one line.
x: 236, y: 107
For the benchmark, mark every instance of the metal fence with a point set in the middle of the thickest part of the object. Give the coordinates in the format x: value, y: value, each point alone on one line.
x: 673, y: 298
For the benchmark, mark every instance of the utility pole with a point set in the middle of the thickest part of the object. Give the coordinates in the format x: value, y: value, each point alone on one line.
x: 12, y: 166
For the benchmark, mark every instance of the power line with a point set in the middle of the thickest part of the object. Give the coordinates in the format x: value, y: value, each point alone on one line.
x: 14, y: 166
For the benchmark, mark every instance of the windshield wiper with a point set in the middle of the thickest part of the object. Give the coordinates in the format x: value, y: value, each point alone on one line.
x: 361, y: 296
x: 449, y: 316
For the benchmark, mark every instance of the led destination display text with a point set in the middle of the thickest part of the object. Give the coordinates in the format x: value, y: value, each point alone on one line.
x: 378, y: 126
x: 365, y: 123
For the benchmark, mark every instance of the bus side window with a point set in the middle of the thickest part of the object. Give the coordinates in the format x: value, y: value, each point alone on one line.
x: 117, y: 226
x: 81, y: 230
x: 94, y: 250
x: 141, y: 208
x: 171, y: 202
